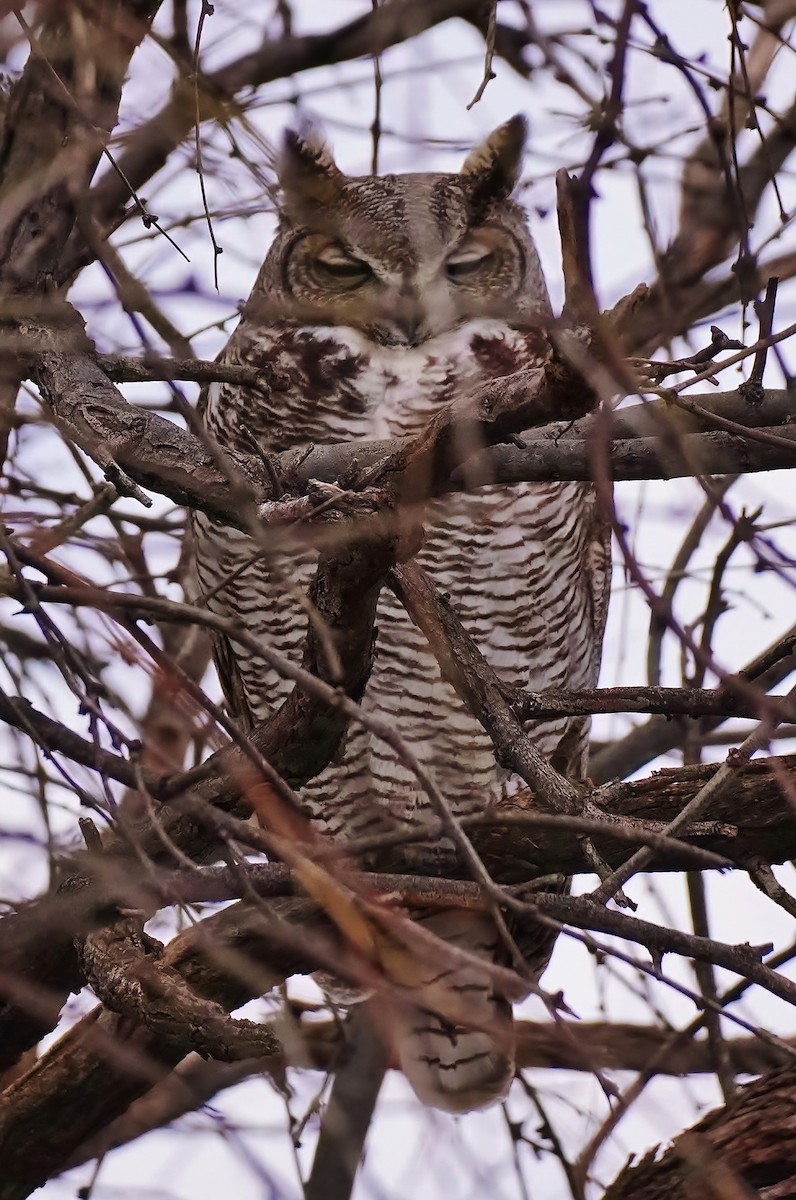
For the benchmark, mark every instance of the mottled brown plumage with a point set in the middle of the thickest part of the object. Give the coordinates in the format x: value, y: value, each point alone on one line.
x: 381, y: 299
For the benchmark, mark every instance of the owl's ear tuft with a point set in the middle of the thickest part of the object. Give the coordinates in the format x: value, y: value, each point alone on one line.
x: 495, y: 164
x: 310, y: 179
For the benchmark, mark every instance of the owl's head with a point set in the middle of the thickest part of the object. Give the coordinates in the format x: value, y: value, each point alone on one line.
x: 406, y: 257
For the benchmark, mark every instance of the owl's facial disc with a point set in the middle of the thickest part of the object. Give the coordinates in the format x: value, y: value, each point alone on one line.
x: 405, y: 299
x: 406, y: 258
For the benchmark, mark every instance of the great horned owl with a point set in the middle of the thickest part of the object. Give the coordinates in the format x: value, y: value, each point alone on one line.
x: 381, y: 299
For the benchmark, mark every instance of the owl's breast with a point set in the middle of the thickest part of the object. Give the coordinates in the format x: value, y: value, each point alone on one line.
x: 333, y: 383
x: 411, y: 384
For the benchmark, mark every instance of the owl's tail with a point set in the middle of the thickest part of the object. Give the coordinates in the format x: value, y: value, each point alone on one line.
x: 458, y: 1067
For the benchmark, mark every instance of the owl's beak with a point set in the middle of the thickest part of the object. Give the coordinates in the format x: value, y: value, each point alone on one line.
x: 409, y: 332
x: 412, y: 329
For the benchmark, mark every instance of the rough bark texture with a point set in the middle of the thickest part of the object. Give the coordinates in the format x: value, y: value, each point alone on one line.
x: 106, y: 1061
x: 756, y: 821
x: 745, y: 1150
x: 59, y: 118
x: 158, y: 455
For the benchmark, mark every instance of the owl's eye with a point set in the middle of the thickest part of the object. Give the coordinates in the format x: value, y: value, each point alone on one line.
x: 339, y: 265
x: 467, y: 261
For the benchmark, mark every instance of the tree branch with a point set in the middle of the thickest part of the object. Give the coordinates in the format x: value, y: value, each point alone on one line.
x: 358, y: 1074
x: 156, y: 454
x: 149, y: 147
x: 555, y: 1045
x: 734, y: 1151
x: 94, y: 1072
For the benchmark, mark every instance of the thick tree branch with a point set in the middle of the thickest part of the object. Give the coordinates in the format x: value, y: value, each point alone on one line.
x: 128, y: 443
x: 35, y: 945
x: 358, y: 1074
x: 56, y: 127
x: 126, y: 972
x: 668, y: 701
x: 577, y: 1046
x: 745, y: 1149
x: 94, y: 1072
x: 156, y: 454
x: 106, y: 1061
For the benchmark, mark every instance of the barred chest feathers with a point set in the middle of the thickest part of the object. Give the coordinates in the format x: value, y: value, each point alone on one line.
x: 514, y: 560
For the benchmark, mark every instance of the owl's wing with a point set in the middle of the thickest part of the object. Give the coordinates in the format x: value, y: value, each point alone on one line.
x: 201, y: 548
x: 231, y: 680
